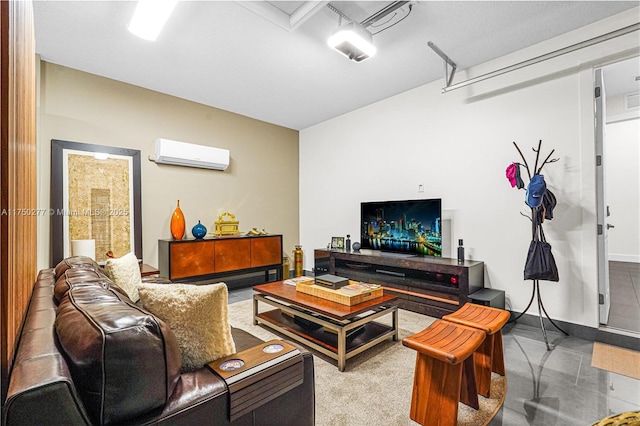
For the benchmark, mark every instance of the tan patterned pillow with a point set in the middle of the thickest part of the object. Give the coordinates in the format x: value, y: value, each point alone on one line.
x: 125, y: 273
x: 198, y: 315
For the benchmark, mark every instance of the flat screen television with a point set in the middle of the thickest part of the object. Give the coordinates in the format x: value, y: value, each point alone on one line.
x: 409, y: 226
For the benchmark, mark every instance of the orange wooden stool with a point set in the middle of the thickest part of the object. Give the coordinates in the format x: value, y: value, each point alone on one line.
x: 444, y: 372
x: 489, y: 356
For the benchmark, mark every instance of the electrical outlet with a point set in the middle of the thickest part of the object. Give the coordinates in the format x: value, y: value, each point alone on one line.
x: 420, y: 187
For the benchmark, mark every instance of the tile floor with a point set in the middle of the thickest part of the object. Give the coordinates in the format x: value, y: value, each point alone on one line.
x: 547, y: 388
x: 559, y: 387
x: 624, y: 283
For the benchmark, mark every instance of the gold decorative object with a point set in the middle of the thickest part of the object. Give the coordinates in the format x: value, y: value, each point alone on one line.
x: 285, y: 267
x: 254, y: 231
x: 297, y: 259
x: 226, y: 227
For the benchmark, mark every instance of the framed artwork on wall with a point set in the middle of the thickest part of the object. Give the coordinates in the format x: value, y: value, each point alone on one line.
x: 95, y: 195
x: 337, y: 243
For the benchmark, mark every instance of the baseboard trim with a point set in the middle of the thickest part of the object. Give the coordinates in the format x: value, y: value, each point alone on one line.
x: 624, y: 258
x: 577, y: 330
x: 621, y: 338
x: 606, y: 335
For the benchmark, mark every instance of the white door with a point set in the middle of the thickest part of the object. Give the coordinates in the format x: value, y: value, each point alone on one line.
x: 601, y: 215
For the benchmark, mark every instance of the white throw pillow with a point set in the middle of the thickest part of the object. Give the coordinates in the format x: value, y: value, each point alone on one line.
x: 198, y: 315
x: 125, y: 273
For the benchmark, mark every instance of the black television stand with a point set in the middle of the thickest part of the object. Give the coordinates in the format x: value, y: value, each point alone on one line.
x: 429, y: 285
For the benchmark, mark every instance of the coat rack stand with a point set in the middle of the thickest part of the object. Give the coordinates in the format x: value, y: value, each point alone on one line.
x: 541, y: 309
x: 535, y: 292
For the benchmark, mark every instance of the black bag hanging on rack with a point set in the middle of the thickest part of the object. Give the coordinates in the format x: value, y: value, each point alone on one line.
x: 540, y: 264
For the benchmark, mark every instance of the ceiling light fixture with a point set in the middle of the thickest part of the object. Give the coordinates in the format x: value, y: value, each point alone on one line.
x: 149, y: 18
x: 353, y: 41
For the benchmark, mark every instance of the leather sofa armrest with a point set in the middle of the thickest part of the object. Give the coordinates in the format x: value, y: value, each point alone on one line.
x: 203, y: 395
x: 276, y: 366
x: 42, y: 392
x: 299, y: 403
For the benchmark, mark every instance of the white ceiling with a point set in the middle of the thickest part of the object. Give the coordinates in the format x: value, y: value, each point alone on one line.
x: 270, y: 60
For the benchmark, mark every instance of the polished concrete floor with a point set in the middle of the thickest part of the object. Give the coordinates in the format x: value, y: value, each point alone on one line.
x: 624, y: 284
x: 559, y: 387
x: 546, y: 388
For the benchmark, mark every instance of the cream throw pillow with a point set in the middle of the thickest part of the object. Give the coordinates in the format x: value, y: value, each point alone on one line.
x: 125, y: 273
x: 198, y: 315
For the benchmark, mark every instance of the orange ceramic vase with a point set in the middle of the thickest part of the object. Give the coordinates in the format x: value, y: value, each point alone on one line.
x: 177, y: 223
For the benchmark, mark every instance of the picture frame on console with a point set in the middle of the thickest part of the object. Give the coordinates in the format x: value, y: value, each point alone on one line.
x: 337, y: 243
x: 96, y: 195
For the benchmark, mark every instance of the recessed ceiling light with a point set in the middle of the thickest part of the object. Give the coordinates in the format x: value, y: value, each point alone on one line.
x: 149, y: 18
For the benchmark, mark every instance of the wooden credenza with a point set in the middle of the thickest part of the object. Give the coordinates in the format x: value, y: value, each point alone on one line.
x: 220, y: 256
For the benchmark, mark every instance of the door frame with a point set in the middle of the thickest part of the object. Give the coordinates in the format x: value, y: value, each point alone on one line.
x: 602, y: 209
x: 604, y: 291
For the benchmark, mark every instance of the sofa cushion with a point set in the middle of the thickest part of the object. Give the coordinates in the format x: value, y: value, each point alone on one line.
x: 83, y: 262
x: 197, y: 314
x: 125, y: 273
x: 79, y: 276
x: 124, y: 361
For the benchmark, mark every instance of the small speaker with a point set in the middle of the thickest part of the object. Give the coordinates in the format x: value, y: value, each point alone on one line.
x: 488, y: 297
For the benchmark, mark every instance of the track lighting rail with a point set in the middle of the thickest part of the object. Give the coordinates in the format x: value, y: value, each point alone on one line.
x: 448, y: 77
x: 590, y: 42
x: 373, y: 18
x: 382, y: 13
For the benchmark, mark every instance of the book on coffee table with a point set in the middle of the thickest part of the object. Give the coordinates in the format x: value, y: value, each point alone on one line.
x: 301, y: 280
x: 357, y: 288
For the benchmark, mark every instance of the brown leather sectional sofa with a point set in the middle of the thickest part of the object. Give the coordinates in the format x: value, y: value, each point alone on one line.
x: 88, y: 355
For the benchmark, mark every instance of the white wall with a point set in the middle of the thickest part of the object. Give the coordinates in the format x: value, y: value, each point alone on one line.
x: 458, y: 145
x: 616, y: 110
x: 622, y: 154
x: 622, y: 158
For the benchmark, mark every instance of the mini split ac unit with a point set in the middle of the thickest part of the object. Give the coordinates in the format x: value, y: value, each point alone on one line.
x: 190, y: 155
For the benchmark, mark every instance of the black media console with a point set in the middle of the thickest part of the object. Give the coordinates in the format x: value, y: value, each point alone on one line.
x: 429, y: 285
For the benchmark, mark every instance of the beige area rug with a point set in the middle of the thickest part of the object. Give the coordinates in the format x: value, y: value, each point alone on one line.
x: 616, y: 360
x: 376, y: 386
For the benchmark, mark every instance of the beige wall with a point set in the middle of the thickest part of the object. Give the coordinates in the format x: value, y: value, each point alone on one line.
x: 260, y: 186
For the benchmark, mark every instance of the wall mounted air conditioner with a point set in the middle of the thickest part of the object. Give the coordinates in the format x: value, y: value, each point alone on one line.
x: 190, y: 155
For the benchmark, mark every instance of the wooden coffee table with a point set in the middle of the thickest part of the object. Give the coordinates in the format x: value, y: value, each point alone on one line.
x: 338, y: 331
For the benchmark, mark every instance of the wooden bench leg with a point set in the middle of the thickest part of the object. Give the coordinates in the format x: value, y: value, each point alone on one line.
x: 498, y: 355
x: 489, y: 357
x: 468, y: 394
x: 483, y: 360
x: 436, y: 390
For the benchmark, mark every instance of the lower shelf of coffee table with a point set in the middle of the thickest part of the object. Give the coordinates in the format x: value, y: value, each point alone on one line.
x: 328, y: 340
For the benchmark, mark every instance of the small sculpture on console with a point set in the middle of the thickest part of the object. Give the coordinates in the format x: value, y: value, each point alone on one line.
x: 199, y: 231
